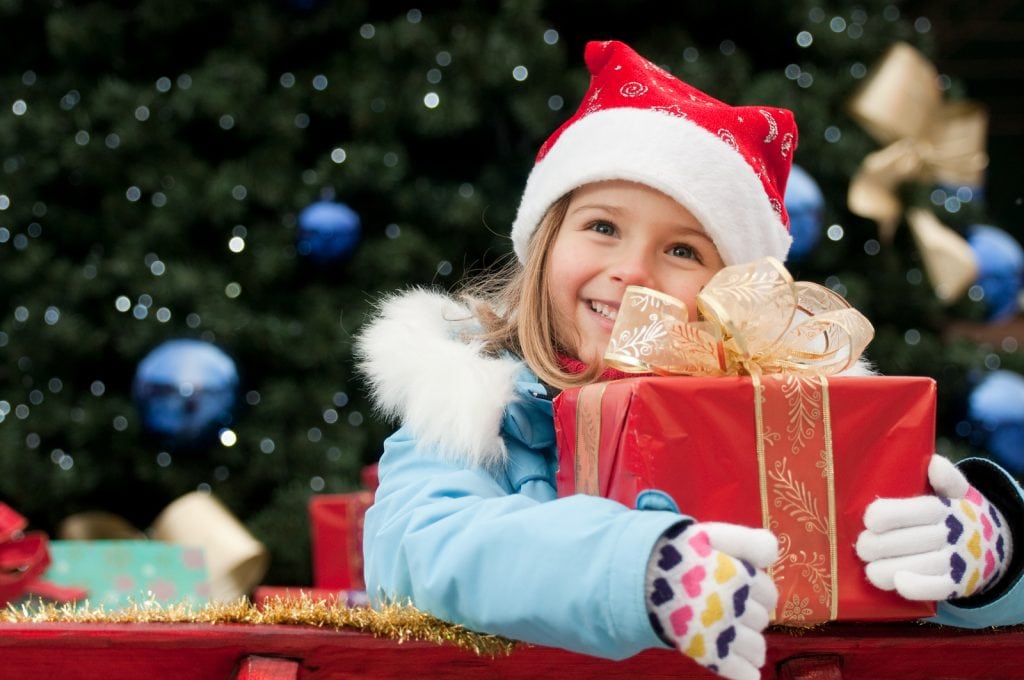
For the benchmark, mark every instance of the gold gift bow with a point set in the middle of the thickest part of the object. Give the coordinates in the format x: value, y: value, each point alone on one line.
x: 235, y: 561
x: 901, y: 105
x: 755, y: 319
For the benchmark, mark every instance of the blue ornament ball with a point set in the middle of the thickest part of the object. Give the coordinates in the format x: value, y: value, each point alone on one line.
x: 185, y: 391
x: 805, y: 204
x: 996, y: 413
x: 1000, y: 262
x: 327, y: 231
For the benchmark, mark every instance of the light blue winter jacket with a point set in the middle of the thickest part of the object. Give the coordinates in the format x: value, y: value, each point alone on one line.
x: 466, y: 522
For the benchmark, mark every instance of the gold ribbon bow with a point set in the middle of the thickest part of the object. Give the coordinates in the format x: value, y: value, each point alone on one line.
x: 755, y: 319
x: 901, y: 105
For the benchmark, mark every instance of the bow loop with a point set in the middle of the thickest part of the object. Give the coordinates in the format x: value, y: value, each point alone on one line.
x: 754, y: 319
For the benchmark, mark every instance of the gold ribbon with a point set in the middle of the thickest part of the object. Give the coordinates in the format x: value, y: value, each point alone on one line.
x: 900, y: 105
x: 948, y: 258
x: 755, y: 319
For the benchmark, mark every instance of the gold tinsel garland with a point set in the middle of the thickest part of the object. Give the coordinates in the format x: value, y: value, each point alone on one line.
x: 393, y: 621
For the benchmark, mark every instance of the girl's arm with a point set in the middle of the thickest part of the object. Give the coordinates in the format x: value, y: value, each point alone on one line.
x: 499, y: 554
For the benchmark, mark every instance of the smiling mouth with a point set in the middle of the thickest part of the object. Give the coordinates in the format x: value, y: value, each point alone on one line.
x: 604, y: 310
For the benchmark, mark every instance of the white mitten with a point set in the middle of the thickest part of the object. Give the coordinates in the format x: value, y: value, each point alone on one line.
x: 708, y: 596
x: 941, y: 547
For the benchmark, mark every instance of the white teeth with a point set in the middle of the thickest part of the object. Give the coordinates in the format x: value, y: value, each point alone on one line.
x: 604, y: 310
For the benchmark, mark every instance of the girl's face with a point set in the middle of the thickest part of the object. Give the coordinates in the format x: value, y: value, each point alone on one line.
x: 616, y: 234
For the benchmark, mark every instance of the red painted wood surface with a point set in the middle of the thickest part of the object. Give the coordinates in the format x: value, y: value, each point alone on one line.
x: 817, y: 667
x: 267, y: 668
x: 199, y: 651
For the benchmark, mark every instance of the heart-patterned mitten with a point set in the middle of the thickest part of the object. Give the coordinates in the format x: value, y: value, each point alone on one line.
x: 709, y: 596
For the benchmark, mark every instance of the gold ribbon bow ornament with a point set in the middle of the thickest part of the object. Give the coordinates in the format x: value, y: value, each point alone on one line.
x: 755, y: 319
x: 901, y: 105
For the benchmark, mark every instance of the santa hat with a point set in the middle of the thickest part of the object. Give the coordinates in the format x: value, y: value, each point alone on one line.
x: 727, y: 165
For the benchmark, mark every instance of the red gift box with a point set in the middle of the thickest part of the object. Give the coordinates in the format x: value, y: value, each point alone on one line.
x: 336, y: 522
x: 803, y: 459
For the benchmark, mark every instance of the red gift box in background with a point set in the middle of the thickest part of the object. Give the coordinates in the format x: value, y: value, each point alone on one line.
x: 336, y: 523
x: 695, y: 438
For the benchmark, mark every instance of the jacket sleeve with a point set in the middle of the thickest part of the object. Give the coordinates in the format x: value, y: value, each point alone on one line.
x: 469, y: 547
x: 1004, y: 604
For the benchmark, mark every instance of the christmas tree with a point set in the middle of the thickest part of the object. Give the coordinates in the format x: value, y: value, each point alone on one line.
x: 159, y: 158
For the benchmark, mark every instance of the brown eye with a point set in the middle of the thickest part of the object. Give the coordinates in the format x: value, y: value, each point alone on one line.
x: 683, y: 251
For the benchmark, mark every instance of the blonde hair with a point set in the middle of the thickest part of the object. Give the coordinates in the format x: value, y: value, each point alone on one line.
x: 515, y: 309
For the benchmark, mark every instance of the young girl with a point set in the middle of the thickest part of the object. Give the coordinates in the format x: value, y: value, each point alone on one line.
x: 652, y: 183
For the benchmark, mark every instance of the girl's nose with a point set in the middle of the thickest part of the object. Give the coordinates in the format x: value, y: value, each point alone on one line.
x: 633, y: 267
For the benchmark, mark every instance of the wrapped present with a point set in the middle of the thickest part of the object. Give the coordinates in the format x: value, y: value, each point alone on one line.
x: 117, y: 573
x: 805, y: 478
x: 757, y: 431
x: 234, y: 560
x: 336, y: 524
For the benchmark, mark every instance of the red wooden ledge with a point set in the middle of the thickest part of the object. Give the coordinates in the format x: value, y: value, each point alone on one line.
x: 222, y: 652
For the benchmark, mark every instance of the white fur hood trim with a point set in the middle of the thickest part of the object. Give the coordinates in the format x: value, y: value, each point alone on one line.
x: 425, y: 373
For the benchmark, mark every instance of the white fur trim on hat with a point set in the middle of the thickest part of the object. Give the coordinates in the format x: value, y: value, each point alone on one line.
x: 665, y: 152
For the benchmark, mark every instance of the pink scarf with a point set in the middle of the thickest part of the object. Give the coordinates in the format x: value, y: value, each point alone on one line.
x: 575, y: 366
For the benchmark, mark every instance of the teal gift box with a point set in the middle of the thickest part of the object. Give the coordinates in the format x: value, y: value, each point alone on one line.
x: 118, y: 573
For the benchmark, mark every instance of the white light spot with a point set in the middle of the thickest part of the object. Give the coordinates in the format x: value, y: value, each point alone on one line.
x: 228, y: 437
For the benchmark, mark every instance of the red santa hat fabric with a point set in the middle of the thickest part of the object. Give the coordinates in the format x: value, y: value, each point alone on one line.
x: 728, y: 165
